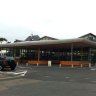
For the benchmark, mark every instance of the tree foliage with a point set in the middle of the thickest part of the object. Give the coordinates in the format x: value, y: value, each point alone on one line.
x: 3, y: 39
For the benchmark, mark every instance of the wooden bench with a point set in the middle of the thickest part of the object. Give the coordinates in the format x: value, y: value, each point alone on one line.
x: 74, y: 63
x: 38, y: 62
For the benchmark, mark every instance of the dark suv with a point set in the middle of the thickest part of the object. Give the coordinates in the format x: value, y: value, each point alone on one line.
x: 7, y: 63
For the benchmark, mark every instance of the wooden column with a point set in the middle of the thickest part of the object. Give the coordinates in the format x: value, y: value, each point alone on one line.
x: 72, y: 52
x: 81, y: 53
x: 38, y: 55
x: 1, y: 51
x: 72, y: 55
x: 89, y: 57
x: 13, y: 52
x: 6, y: 51
x: 81, y: 65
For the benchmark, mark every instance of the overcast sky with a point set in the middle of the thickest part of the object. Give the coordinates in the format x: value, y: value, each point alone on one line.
x: 61, y: 19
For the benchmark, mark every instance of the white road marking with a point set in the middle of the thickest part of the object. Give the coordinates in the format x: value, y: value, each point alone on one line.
x: 93, y: 69
x: 67, y: 77
x: 21, y: 73
x: 21, y: 67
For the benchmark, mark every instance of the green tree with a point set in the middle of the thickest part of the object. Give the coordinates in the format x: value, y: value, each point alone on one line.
x: 2, y: 39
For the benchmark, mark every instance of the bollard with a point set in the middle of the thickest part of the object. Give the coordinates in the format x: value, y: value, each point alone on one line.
x: 26, y: 64
x: 81, y: 65
x: 49, y: 63
x: 17, y: 63
x: 37, y: 64
x: 89, y: 65
x: 72, y: 66
x: 60, y: 65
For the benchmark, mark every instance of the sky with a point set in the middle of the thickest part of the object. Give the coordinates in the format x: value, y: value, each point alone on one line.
x: 62, y: 19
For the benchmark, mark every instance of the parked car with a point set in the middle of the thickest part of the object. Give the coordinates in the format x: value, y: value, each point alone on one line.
x: 7, y: 63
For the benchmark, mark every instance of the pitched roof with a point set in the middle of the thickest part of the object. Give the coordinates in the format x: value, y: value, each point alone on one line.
x: 49, y: 38
x: 32, y: 38
x: 87, y: 35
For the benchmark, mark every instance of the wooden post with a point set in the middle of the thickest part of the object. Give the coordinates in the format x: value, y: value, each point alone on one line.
x: 1, y: 51
x: 13, y: 52
x: 81, y: 53
x: 6, y: 52
x: 81, y: 65
x: 90, y: 57
x: 72, y: 52
x: 72, y: 65
x: 38, y: 56
x: 81, y: 57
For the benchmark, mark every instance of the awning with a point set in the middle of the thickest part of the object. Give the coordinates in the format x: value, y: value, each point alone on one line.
x: 78, y: 42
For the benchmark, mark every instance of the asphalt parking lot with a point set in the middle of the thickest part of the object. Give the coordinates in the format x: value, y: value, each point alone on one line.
x: 51, y: 81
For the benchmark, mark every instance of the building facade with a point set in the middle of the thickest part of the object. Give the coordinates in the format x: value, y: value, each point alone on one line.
x: 68, y: 52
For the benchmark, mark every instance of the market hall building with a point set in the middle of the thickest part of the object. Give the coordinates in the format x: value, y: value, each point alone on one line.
x: 68, y: 52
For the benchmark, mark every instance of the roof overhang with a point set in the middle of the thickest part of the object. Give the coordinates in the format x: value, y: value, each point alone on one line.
x: 78, y: 42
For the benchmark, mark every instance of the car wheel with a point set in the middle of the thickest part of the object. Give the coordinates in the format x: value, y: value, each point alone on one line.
x: 13, y: 65
x: 12, y: 68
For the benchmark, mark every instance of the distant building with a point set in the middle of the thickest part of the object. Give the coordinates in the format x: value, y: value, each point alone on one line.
x: 18, y: 40
x: 36, y: 38
x: 48, y: 38
x: 32, y: 38
x: 89, y: 36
